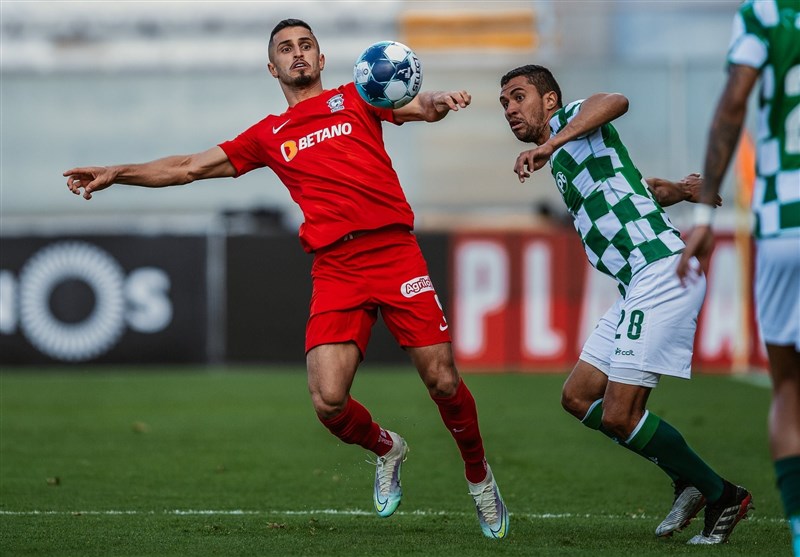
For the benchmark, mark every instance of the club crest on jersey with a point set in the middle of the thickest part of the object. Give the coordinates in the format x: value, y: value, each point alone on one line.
x: 336, y: 102
x: 561, y: 182
x: 415, y: 286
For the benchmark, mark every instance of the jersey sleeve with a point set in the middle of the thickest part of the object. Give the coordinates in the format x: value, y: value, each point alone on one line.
x: 565, y: 116
x: 749, y: 45
x: 571, y: 110
x: 382, y: 114
x: 387, y: 115
x: 246, y: 152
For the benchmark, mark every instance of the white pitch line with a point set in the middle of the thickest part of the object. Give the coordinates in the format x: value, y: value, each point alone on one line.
x: 756, y: 379
x: 339, y: 512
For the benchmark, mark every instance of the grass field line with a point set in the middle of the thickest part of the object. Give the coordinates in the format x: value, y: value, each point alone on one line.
x: 340, y: 512
x: 755, y: 378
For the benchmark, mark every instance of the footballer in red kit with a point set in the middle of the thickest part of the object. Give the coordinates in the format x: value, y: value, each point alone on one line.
x: 328, y: 151
x: 355, y: 189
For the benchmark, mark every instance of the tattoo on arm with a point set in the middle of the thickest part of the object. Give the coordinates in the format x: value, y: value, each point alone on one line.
x: 721, y: 145
x: 726, y: 127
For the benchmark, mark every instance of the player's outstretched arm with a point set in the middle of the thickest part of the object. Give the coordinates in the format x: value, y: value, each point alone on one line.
x: 597, y: 110
x: 432, y: 106
x: 669, y: 193
x: 170, y: 171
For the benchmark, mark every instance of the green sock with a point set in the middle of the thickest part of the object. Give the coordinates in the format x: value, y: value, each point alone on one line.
x: 787, y: 470
x: 594, y: 419
x: 664, y: 445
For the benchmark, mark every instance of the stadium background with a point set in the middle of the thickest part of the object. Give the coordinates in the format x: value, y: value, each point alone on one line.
x: 213, y: 273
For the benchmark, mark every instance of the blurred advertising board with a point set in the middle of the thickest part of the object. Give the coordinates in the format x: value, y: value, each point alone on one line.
x: 115, y: 299
x: 516, y: 301
x: 525, y: 301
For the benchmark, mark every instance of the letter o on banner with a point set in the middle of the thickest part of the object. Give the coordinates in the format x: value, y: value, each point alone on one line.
x: 86, y: 339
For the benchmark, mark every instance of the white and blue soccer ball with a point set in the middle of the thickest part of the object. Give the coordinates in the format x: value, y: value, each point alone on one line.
x: 388, y: 74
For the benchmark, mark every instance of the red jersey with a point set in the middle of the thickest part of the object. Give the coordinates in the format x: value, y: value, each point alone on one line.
x: 329, y: 153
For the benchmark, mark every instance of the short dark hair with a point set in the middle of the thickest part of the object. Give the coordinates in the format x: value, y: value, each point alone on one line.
x: 284, y: 23
x: 538, y: 76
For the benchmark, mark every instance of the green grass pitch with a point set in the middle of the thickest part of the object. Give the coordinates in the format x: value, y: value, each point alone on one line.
x: 160, y: 462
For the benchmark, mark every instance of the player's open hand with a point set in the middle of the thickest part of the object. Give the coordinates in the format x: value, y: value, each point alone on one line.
x: 90, y: 179
x: 699, y: 244
x: 532, y: 160
x: 692, y: 185
x: 451, y: 100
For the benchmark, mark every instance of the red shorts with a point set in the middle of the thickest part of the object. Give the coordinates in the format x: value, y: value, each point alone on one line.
x: 379, y: 270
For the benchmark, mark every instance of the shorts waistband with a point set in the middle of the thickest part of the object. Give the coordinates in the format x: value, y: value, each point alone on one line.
x: 353, y: 235
x: 359, y: 233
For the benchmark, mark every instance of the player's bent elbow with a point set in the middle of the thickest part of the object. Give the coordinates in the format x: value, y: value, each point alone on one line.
x: 620, y: 103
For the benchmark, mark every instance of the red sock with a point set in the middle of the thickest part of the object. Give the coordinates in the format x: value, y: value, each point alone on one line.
x: 354, y: 426
x: 460, y: 416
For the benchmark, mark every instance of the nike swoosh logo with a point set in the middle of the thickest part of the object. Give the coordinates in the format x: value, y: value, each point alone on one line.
x: 443, y: 327
x: 501, y: 531
x: 276, y: 130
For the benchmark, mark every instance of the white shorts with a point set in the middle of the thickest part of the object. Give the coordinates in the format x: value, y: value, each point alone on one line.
x: 777, y: 290
x: 649, y: 332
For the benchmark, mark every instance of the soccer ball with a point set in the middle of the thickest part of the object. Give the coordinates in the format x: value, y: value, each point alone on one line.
x: 388, y: 74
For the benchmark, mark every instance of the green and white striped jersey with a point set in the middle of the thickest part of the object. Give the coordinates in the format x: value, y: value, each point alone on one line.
x: 766, y: 36
x: 622, y: 227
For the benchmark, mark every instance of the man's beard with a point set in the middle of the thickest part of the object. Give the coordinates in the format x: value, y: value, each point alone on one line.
x: 303, y: 80
x: 526, y: 136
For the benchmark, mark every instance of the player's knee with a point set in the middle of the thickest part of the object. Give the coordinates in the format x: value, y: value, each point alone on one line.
x: 440, y: 376
x: 328, y: 405
x: 443, y: 383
